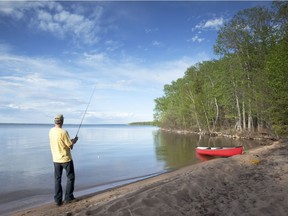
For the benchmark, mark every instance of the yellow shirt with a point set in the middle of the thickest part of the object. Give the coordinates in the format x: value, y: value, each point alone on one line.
x: 60, y: 144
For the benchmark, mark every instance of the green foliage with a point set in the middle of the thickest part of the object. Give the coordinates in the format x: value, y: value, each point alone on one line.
x: 150, y: 123
x: 246, y: 89
x: 277, y: 89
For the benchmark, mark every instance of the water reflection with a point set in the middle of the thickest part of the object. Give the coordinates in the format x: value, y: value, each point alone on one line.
x: 178, y: 150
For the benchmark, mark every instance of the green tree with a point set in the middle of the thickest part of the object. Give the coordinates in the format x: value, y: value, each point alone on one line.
x: 245, y: 89
x: 248, y: 37
x: 277, y: 88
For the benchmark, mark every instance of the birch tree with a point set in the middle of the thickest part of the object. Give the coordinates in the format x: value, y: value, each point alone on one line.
x: 247, y: 36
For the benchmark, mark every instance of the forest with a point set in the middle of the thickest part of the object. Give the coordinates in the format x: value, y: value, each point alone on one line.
x: 245, y: 90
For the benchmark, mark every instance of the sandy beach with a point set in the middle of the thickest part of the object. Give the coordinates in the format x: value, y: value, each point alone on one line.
x: 255, y: 183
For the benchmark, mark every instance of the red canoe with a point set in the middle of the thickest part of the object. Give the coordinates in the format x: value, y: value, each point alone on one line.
x: 220, y: 151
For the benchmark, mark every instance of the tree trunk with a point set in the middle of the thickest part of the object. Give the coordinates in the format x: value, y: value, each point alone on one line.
x: 195, y: 112
x: 217, y: 107
x: 238, y: 123
x: 206, y: 117
x: 250, y: 120
x: 244, y: 116
x: 217, y: 114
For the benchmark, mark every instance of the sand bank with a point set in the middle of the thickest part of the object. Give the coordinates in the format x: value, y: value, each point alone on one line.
x: 255, y: 183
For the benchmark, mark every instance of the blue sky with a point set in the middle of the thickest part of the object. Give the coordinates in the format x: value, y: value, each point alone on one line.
x: 53, y: 54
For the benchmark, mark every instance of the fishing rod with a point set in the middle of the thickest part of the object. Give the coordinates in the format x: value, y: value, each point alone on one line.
x: 85, y: 111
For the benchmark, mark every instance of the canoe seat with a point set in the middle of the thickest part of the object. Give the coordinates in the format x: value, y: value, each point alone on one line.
x: 216, y: 147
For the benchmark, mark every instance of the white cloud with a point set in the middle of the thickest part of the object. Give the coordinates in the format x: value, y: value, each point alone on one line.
x: 127, y: 73
x: 196, y: 39
x: 149, y: 30
x: 36, y: 84
x: 18, y: 107
x: 95, y: 58
x: 215, y: 23
x: 109, y: 115
x: 48, y: 86
x: 54, y: 18
x: 156, y: 43
x: 112, y: 45
x: 116, y: 117
x: 122, y: 85
x: 11, y: 9
x: 120, y: 73
x: 5, y: 47
x: 64, y: 23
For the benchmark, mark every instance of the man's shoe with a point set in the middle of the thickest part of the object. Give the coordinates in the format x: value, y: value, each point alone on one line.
x: 59, y: 203
x: 71, y: 201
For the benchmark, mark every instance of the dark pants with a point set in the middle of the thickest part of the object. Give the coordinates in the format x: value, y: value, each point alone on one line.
x: 58, y: 169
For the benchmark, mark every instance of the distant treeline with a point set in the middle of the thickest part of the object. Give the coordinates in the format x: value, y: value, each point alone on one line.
x: 144, y: 123
x: 246, y: 90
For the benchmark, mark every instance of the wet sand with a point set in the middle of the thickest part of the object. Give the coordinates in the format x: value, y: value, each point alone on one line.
x: 255, y: 183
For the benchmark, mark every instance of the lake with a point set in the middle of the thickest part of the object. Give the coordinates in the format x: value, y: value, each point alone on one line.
x: 105, y: 156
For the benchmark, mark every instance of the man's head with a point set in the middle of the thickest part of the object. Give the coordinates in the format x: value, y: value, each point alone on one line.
x: 59, y: 119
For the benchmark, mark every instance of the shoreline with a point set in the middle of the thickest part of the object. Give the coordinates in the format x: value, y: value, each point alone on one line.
x: 246, y: 136
x: 248, y: 184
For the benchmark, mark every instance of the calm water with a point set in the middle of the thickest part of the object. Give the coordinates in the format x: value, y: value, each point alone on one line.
x: 105, y: 156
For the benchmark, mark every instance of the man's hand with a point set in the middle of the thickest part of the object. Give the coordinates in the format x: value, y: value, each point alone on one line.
x: 74, y: 140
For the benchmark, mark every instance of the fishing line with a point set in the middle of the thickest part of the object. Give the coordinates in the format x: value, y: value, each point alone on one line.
x: 85, y: 111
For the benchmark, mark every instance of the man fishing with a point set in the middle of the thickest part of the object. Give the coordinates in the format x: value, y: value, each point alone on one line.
x: 61, y: 146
